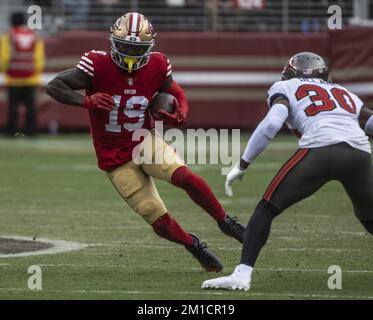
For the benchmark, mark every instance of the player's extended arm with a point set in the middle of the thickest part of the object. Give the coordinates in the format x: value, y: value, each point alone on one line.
x: 366, y: 120
x: 263, y: 134
x: 63, y: 89
x: 178, y: 118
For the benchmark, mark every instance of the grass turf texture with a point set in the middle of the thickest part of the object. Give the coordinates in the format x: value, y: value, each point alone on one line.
x: 50, y: 188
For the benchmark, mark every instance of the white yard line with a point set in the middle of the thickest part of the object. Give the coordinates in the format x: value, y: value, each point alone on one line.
x: 302, y: 249
x: 66, y: 265
x: 40, y: 144
x: 309, y: 270
x: 247, y: 200
x: 58, y: 246
x: 266, y: 165
x: 270, y: 269
x: 319, y: 249
x: 70, y: 167
x: 323, y: 232
x: 197, y: 293
x: 277, y: 231
x: 353, y: 233
x: 84, y: 146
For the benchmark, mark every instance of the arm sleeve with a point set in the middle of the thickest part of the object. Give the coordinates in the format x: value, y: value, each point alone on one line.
x: 278, y: 90
x: 173, y: 88
x: 169, y: 68
x: 180, y: 96
x: 165, y: 67
x: 86, y: 64
x: 265, y: 132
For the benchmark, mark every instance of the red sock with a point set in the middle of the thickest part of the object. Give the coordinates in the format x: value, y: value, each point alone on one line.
x: 168, y: 228
x: 199, y: 191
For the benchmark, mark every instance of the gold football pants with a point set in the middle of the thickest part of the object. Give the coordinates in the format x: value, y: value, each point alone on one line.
x: 134, y: 180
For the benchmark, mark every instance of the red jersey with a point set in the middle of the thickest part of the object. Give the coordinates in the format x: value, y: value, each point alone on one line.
x: 112, y: 131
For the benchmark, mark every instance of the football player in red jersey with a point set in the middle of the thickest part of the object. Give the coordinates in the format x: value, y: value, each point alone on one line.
x: 119, y: 85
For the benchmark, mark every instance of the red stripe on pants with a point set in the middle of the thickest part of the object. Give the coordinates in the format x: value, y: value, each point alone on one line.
x: 298, y: 156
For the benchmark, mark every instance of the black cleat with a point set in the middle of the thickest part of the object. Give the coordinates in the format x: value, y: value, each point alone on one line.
x: 209, y: 261
x: 231, y: 227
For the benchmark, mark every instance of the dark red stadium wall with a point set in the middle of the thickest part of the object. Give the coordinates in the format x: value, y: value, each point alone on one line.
x: 224, y: 105
x: 351, y: 56
x: 233, y: 105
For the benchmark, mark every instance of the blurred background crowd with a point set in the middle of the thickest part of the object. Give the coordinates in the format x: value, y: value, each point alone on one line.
x: 196, y: 15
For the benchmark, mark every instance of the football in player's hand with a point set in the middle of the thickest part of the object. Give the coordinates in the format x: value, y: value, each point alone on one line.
x: 162, y: 101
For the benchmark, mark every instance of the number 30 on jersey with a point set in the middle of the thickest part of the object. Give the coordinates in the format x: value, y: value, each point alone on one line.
x: 321, y: 100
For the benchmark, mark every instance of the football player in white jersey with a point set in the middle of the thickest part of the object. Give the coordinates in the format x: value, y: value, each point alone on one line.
x: 333, y: 125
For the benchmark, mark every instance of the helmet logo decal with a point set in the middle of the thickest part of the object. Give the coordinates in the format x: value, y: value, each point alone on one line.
x: 117, y: 25
x: 291, y: 62
x: 150, y: 29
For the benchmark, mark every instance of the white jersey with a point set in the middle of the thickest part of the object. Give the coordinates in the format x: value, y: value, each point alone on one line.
x: 322, y: 112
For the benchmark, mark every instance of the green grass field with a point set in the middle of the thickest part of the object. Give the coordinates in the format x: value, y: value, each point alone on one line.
x: 50, y: 188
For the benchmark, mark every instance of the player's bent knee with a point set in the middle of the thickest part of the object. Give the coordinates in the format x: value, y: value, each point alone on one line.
x: 266, y: 207
x: 368, y: 226
x: 149, y: 209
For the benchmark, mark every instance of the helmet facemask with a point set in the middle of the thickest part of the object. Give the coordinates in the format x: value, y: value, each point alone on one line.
x: 129, y: 55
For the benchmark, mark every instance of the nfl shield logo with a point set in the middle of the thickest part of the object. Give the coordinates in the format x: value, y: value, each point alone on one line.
x: 130, y: 81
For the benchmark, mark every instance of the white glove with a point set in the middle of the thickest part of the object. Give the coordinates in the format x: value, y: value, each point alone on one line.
x: 234, y: 174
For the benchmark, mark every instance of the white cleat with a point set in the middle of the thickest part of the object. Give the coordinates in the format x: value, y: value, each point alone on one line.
x: 238, y: 280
